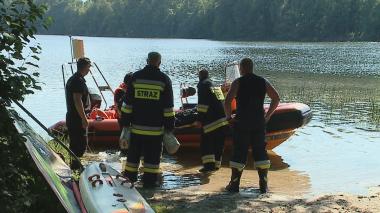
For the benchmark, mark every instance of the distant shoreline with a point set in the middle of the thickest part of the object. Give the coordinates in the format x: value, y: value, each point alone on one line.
x: 221, y: 40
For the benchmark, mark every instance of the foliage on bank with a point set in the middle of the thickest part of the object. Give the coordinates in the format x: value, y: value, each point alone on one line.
x: 22, y: 187
x: 296, y: 20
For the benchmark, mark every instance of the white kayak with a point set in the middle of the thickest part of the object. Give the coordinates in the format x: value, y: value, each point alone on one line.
x: 103, y: 190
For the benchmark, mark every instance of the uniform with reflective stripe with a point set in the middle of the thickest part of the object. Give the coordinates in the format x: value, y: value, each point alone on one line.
x: 169, y: 112
x: 126, y: 108
x: 150, y: 96
x: 202, y: 108
x: 147, y: 130
x: 214, y: 125
x: 210, y: 106
x: 208, y: 159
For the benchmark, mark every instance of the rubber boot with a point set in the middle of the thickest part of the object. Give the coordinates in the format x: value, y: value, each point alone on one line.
x: 208, y: 167
x: 150, y: 180
x: 233, y: 186
x: 263, y: 182
x: 132, y: 176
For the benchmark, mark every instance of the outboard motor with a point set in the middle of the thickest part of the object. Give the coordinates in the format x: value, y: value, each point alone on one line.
x: 95, y: 98
x: 187, y: 92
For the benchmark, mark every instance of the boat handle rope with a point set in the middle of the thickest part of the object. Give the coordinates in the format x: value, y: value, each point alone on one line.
x: 126, y: 180
x: 93, y: 183
x: 91, y: 178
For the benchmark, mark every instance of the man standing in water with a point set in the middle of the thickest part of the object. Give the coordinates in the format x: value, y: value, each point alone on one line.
x: 148, y: 112
x: 249, y: 123
x: 77, y: 101
x: 212, y: 118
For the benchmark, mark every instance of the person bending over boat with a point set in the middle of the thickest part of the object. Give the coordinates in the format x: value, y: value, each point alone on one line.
x: 77, y: 102
x: 212, y: 118
x: 249, y: 123
x: 148, y: 112
x: 120, y: 95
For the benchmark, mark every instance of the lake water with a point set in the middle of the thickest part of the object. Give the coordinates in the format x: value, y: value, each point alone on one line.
x: 336, y: 152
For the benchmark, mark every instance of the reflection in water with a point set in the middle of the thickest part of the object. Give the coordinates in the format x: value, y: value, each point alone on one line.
x: 181, y: 171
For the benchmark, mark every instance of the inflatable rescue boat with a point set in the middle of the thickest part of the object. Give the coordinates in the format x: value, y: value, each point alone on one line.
x: 104, y: 129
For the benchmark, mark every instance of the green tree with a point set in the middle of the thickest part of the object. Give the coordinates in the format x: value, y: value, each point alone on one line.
x: 18, y: 20
x: 305, y: 20
x: 22, y: 188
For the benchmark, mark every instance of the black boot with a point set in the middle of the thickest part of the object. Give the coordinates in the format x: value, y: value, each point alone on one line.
x: 263, y: 182
x: 150, y: 180
x: 233, y: 186
x: 208, y: 167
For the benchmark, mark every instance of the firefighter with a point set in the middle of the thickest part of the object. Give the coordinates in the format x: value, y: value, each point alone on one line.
x: 119, y: 97
x: 249, y: 123
x: 78, y: 102
x: 148, y: 112
x: 212, y: 118
x: 119, y: 94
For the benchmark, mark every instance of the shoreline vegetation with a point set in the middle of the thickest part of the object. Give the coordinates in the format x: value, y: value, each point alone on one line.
x: 240, y: 20
x: 23, y: 188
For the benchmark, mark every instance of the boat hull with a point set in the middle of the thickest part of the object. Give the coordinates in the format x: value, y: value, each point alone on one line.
x: 284, y: 122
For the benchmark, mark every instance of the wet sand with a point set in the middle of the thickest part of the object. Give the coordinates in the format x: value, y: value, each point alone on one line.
x: 184, y: 189
x: 187, y: 200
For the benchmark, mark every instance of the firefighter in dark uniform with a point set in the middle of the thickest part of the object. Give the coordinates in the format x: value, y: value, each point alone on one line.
x: 119, y: 94
x: 78, y: 102
x: 148, y: 112
x: 119, y: 97
x: 212, y: 118
x: 249, y: 123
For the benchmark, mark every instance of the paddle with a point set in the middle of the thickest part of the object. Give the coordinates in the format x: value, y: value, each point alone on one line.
x: 51, y: 135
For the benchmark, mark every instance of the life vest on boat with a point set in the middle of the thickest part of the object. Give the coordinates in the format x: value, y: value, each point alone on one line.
x: 225, y: 88
x: 119, y: 95
x: 96, y: 113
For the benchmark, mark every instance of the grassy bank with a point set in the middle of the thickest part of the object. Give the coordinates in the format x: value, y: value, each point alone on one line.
x: 22, y: 187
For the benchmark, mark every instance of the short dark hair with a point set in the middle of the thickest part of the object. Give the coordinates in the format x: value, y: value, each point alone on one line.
x: 82, y: 63
x: 203, y: 74
x: 154, y: 56
x: 247, y: 64
x: 127, y: 77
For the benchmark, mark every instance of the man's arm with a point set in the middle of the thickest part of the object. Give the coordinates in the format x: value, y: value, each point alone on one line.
x: 275, y: 100
x: 232, y: 92
x: 80, y: 109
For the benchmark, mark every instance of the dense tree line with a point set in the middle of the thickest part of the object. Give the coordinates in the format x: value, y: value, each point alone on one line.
x: 306, y: 20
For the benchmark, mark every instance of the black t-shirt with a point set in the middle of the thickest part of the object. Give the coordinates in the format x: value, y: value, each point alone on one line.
x: 76, y: 84
x: 250, y: 102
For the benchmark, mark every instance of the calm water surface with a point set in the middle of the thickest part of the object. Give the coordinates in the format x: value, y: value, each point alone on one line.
x: 337, y: 151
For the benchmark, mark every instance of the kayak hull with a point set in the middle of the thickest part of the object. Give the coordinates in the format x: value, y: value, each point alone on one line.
x: 104, y: 190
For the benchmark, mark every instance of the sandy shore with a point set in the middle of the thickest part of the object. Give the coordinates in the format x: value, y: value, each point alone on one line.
x: 197, y: 200
x: 186, y: 190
